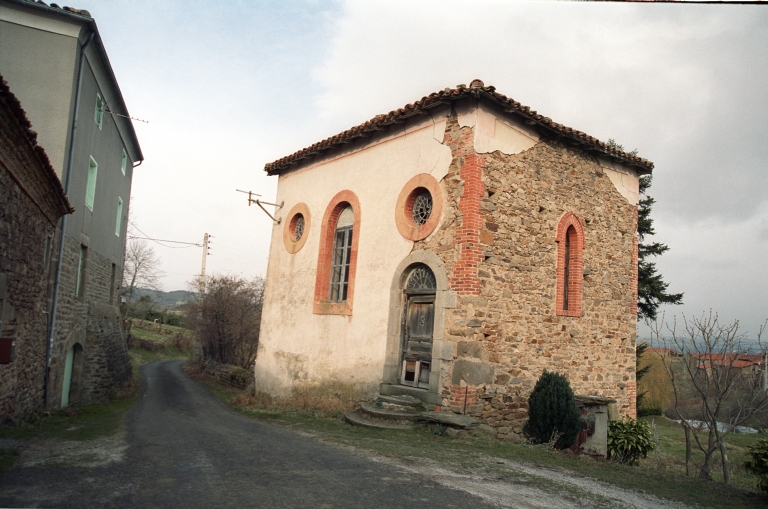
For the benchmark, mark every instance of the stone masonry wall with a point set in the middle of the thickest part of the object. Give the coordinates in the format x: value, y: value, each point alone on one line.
x: 92, y: 322
x: 498, y: 245
x: 27, y: 218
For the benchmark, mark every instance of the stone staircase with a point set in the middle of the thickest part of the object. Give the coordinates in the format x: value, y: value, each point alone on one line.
x: 406, y: 412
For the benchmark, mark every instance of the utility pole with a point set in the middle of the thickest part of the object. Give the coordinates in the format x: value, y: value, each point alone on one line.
x: 202, y: 270
x: 198, y: 347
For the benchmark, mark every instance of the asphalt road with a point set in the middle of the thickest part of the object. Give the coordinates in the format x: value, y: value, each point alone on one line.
x: 186, y: 449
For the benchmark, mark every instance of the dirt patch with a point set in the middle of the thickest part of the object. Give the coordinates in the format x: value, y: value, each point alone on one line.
x: 72, y: 453
x: 513, y: 485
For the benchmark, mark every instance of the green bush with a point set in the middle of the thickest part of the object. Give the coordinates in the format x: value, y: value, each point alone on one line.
x: 552, y: 411
x: 629, y: 440
x: 649, y: 410
x: 758, y: 465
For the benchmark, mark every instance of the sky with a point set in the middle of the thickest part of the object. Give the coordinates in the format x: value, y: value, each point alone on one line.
x: 229, y: 86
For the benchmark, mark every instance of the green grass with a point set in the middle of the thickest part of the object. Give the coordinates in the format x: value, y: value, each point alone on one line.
x: 667, y: 481
x: 672, y: 447
x: 7, y: 459
x: 78, y: 422
x: 149, y: 335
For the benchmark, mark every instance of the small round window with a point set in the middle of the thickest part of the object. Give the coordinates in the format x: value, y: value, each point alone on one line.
x: 298, y: 227
x: 422, y: 207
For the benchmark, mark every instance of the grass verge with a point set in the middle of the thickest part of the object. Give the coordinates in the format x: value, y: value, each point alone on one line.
x: 663, y: 480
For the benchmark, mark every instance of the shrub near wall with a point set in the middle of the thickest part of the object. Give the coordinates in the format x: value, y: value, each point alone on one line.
x: 552, y: 411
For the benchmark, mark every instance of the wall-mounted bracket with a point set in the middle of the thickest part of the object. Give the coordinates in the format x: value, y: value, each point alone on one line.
x: 262, y: 203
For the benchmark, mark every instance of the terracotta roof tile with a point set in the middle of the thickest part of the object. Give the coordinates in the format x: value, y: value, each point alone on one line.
x: 476, y: 90
x: 11, y: 103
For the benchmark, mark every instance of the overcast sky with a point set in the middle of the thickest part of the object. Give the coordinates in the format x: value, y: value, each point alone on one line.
x: 230, y: 86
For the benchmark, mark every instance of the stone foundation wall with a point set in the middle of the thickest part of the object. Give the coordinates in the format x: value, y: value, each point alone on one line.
x: 498, y: 245
x: 93, y: 323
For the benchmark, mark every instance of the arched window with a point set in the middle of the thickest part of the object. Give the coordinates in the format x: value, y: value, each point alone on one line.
x: 570, y: 264
x: 337, y: 259
x: 342, y: 249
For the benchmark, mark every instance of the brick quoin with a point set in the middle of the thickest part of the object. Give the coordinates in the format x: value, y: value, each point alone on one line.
x: 464, y: 279
x: 632, y: 395
x: 633, y: 283
x: 459, y: 394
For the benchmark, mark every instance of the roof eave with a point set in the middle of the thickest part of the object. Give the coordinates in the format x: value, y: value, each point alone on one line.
x: 91, y: 23
x: 449, y: 96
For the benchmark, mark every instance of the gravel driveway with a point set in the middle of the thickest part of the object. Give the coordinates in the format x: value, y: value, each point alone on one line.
x: 184, y: 448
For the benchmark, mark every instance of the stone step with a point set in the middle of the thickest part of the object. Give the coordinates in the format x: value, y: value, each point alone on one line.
x: 356, y: 418
x: 386, y: 414
x: 408, y: 403
x: 448, y: 419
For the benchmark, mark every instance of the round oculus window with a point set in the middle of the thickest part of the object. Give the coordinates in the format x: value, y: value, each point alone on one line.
x: 422, y: 208
x: 298, y: 227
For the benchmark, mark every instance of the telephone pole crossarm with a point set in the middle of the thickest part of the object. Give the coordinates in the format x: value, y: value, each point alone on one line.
x: 262, y: 203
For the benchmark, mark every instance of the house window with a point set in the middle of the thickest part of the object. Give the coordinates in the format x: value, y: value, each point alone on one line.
x: 112, y: 276
x: 570, y: 263
x: 90, y: 188
x: 98, y: 115
x: 82, y: 266
x: 337, y: 258
x: 342, y: 249
x: 419, y: 207
x: 124, y: 162
x: 296, y: 229
x: 119, y: 219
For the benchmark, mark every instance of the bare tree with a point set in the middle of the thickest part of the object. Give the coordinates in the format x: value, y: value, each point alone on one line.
x: 228, y: 318
x: 142, y: 268
x: 710, y: 383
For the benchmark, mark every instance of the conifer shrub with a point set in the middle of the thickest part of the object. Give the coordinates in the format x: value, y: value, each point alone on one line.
x: 758, y: 463
x: 552, y: 412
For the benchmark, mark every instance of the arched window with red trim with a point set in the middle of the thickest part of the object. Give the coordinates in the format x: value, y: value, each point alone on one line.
x: 337, y: 259
x: 570, y: 265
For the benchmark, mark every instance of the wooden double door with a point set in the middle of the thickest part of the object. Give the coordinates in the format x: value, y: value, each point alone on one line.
x: 417, y: 335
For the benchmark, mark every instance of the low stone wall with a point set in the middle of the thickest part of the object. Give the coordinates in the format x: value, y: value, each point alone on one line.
x: 154, y: 327
x: 231, y: 375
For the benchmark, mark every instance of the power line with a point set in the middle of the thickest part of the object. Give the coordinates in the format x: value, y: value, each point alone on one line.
x: 189, y: 244
x: 159, y: 241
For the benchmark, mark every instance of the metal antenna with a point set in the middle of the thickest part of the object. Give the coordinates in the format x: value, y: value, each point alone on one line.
x: 262, y: 203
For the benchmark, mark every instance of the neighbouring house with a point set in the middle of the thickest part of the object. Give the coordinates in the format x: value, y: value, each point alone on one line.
x: 452, y: 250
x: 31, y: 203
x: 55, y: 62
x: 749, y: 366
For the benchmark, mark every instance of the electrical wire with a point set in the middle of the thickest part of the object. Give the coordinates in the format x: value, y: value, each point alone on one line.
x: 160, y: 241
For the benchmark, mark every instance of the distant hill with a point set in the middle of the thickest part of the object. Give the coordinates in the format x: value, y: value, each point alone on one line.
x: 167, y: 300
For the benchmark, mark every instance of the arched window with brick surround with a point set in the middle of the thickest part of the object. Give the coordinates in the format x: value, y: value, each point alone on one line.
x: 337, y: 257
x: 570, y: 265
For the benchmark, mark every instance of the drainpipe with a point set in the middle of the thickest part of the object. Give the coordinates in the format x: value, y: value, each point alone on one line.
x: 67, y: 180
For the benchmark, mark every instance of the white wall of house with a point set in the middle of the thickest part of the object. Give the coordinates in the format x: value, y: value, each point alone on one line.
x: 298, y: 346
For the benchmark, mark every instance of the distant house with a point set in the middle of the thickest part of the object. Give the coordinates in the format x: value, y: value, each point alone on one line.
x: 56, y: 63
x: 747, y: 365
x: 31, y: 203
x: 665, y: 352
x: 452, y: 250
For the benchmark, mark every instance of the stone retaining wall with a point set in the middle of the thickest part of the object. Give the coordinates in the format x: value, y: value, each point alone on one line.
x: 228, y: 374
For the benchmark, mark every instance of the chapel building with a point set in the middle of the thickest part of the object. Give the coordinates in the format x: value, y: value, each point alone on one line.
x: 452, y: 250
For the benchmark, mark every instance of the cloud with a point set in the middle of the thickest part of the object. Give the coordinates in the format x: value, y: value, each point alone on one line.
x: 684, y: 86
